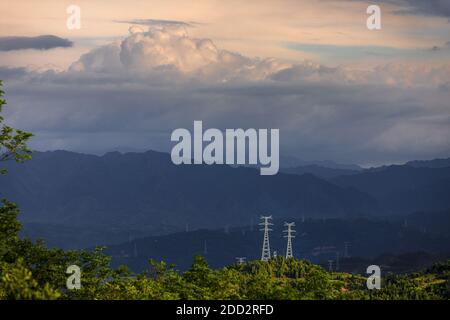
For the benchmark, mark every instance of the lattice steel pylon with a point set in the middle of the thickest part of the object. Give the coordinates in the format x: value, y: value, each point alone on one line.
x: 346, y: 245
x: 265, y: 255
x: 330, y: 265
x: 289, y: 235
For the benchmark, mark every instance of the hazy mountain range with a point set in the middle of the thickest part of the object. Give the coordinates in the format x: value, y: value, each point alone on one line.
x: 146, y: 190
x: 81, y: 200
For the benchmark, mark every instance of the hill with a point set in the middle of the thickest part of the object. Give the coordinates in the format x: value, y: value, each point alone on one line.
x: 319, y: 171
x: 146, y: 191
x: 317, y: 240
x: 403, y: 189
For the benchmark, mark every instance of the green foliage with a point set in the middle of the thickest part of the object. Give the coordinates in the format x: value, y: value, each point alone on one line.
x: 12, y: 141
x: 17, y: 282
x: 9, y: 228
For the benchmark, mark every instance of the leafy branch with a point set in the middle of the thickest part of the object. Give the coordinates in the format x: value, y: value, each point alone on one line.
x: 12, y: 141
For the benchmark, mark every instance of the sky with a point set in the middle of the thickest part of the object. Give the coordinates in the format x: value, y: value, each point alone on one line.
x: 136, y: 70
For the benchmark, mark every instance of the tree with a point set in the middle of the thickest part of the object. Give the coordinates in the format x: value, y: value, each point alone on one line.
x: 12, y: 141
x: 12, y: 147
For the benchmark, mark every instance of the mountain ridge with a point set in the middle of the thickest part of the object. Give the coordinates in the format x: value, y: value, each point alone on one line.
x: 146, y: 189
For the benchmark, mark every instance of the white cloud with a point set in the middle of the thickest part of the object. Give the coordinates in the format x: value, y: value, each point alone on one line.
x: 170, y: 49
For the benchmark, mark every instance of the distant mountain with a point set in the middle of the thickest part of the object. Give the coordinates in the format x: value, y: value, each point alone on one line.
x: 287, y: 162
x: 436, y: 222
x: 402, y: 263
x: 145, y: 191
x: 67, y: 237
x: 403, y: 188
x: 319, y: 171
x: 436, y: 163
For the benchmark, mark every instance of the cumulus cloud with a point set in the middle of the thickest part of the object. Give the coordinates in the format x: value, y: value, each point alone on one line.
x: 170, y: 49
x: 171, y: 52
x: 135, y: 91
x: 44, y: 42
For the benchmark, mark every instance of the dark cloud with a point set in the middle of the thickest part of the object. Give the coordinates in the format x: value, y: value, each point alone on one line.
x: 440, y: 8
x: 11, y: 73
x: 45, y: 42
x: 427, y: 7
x: 158, y: 22
x: 347, y: 123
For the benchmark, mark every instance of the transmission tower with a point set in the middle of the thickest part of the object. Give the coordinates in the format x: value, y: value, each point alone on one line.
x: 330, y: 265
x: 135, y: 251
x: 289, y: 235
x: 337, y: 260
x: 265, y: 255
x: 346, y: 245
x: 205, y: 248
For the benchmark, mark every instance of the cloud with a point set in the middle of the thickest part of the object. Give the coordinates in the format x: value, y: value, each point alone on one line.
x: 171, y: 50
x: 439, y: 8
x: 135, y: 91
x: 159, y: 23
x: 360, y: 51
x: 317, y: 120
x: 45, y: 42
x: 12, y: 73
x: 171, y: 54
